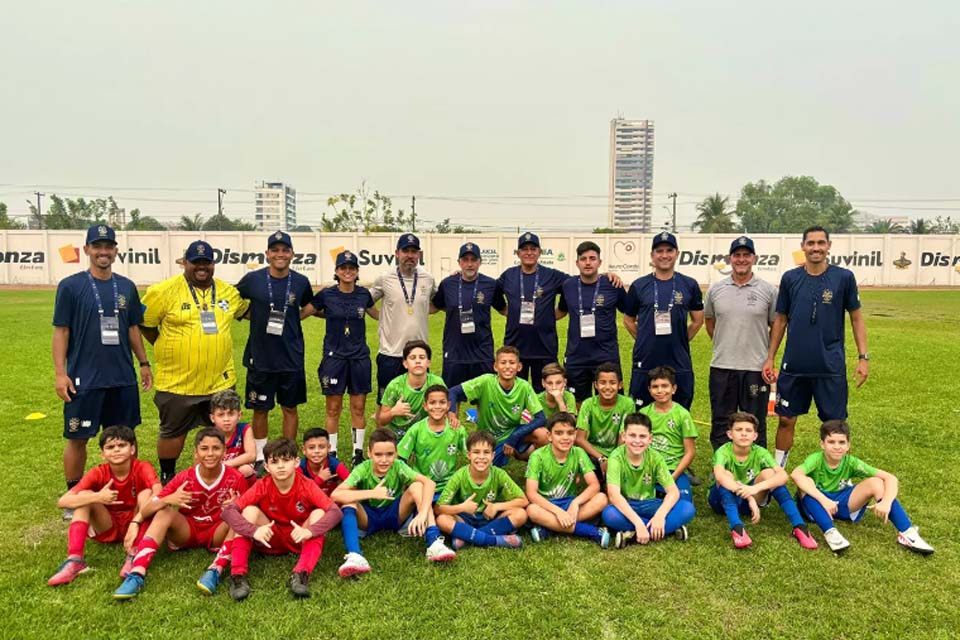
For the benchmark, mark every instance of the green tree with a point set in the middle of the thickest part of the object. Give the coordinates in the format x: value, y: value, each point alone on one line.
x: 365, y: 212
x: 919, y: 227
x: 220, y: 222
x: 301, y: 228
x: 6, y: 222
x: 446, y: 227
x: 715, y: 216
x: 945, y: 226
x: 884, y: 226
x: 607, y: 230
x: 191, y: 224
x: 791, y: 205
x: 145, y: 223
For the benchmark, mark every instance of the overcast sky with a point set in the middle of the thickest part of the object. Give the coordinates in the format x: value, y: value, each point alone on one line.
x: 485, y: 101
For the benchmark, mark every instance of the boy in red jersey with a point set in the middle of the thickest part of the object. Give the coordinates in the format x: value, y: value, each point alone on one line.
x: 241, y: 449
x: 187, y: 510
x: 282, y: 513
x: 319, y: 464
x: 107, y: 501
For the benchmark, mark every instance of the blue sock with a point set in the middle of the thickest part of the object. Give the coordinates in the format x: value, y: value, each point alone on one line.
x: 474, y: 536
x: 499, y: 527
x: 788, y: 505
x: 431, y: 534
x: 899, y: 517
x: 731, y: 506
x: 351, y: 532
x: 818, y: 513
x: 584, y: 530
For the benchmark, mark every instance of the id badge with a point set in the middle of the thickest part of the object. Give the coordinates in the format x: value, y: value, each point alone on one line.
x: 527, y: 309
x: 661, y: 322
x: 588, y: 325
x: 208, y: 320
x: 466, y: 322
x: 109, y: 330
x: 275, y: 323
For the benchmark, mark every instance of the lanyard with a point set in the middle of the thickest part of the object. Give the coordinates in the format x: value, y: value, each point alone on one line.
x: 536, y: 285
x: 286, y: 298
x: 403, y: 286
x: 580, y: 296
x: 213, y: 294
x: 656, y: 294
x: 96, y: 294
x: 460, y: 291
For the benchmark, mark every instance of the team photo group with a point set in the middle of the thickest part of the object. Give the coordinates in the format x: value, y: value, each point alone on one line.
x: 605, y: 447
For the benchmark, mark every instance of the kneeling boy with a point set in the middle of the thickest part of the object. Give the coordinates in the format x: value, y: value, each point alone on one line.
x: 434, y: 444
x: 601, y: 416
x: 319, y: 462
x: 674, y: 434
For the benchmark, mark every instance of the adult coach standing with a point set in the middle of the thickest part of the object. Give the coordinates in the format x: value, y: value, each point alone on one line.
x: 188, y: 319
x: 810, y: 307
x: 738, y: 312
x: 655, y: 314
x: 274, y: 352
x: 95, y: 320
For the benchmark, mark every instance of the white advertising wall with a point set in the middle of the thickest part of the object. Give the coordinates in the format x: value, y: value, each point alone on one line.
x: 45, y: 257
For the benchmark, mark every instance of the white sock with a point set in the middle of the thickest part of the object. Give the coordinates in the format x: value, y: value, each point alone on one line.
x: 260, y: 442
x: 781, y: 456
x: 358, y: 435
x: 333, y: 443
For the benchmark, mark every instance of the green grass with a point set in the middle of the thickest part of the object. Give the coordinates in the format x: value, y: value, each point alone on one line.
x: 903, y: 421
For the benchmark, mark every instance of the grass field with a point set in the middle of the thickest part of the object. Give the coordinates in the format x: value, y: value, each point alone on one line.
x: 902, y: 419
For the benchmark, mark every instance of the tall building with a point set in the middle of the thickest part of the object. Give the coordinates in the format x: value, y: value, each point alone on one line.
x: 276, y: 206
x: 630, y: 199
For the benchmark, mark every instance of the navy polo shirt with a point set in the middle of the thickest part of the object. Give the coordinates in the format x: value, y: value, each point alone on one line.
x: 538, y: 340
x: 346, y: 335
x: 603, y: 347
x: 265, y: 352
x: 478, y: 296
x: 651, y: 350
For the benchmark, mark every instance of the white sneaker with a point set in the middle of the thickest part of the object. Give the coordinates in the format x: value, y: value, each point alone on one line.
x: 439, y: 552
x: 623, y: 538
x: 835, y: 540
x: 354, y: 564
x: 911, y: 540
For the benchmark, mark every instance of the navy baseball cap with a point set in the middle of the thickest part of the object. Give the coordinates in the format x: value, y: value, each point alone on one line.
x: 347, y: 257
x: 743, y: 242
x: 528, y: 238
x: 198, y: 250
x: 281, y: 238
x: 407, y: 240
x: 664, y: 238
x: 101, y: 233
x: 470, y: 248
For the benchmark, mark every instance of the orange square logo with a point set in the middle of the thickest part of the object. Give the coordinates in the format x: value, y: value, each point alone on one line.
x: 69, y: 254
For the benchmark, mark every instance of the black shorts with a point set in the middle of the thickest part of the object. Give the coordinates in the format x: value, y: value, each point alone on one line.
x: 795, y: 392
x: 455, y: 373
x: 179, y: 414
x: 581, y: 378
x: 640, y: 388
x: 289, y: 388
x: 532, y: 370
x: 388, y: 368
x: 91, y: 408
x: 339, y: 376
x: 734, y: 390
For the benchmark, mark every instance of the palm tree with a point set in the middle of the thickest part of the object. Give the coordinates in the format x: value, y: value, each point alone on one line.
x: 919, y: 227
x: 714, y: 216
x: 191, y: 224
x: 884, y: 226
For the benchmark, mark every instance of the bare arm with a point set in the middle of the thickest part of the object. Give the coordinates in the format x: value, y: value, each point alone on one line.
x: 559, y: 315
x: 860, y: 337
x: 630, y: 323
x: 777, y: 330
x: 689, y: 450
x: 696, y: 321
x: 584, y: 444
x: 710, y: 324
x: 63, y: 383
x: 136, y: 345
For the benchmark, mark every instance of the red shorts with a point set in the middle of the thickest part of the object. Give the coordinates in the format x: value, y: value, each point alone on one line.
x: 117, y: 531
x: 201, y: 535
x: 281, y: 542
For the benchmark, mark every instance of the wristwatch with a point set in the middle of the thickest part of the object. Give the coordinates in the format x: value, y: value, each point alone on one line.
x: 144, y: 364
x: 863, y: 356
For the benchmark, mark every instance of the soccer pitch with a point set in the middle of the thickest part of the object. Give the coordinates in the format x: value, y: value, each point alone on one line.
x: 902, y: 421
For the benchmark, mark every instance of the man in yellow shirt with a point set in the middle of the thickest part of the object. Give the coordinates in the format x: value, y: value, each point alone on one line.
x: 188, y: 319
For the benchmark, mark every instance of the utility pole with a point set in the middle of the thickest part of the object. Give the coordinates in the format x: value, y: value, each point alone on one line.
x: 39, y: 210
x: 413, y: 212
x: 673, y: 217
x: 220, y: 194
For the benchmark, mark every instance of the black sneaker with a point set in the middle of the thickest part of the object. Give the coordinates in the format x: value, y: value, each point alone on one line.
x: 299, y: 584
x: 357, y: 457
x: 695, y: 480
x: 239, y: 587
x: 260, y: 468
x: 165, y: 478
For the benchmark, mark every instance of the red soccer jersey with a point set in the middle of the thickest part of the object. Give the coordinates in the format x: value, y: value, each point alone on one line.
x: 141, y: 476
x: 235, y: 444
x: 207, y: 499
x: 337, y: 468
x: 295, y: 505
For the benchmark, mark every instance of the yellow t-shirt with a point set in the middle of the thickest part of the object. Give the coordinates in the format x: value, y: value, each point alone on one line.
x: 188, y: 361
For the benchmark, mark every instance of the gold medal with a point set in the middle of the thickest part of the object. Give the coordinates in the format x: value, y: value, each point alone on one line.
x: 409, y: 310
x: 346, y: 331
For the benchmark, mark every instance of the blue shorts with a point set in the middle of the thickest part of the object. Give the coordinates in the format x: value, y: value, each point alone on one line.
x: 683, y: 486
x: 264, y: 389
x: 640, y: 387
x: 455, y: 373
x: 563, y: 503
x: 842, y: 499
x: 795, y: 392
x: 386, y: 518
x: 388, y: 368
x: 475, y: 520
x: 500, y: 459
x: 338, y: 375
x: 90, y: 408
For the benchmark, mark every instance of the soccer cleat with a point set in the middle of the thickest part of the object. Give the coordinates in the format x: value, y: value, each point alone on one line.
x: 353, y: 564
x: 510, y: 540
x: 439, y: 552
x: 623, y: 538
x: 67, y: 515
x: 682, y: 534
x: 804, y: 538
x: 835, y: 540
x: 457, y: 544
x: 299, y: 584
x: 239, y: 587
x: 129, y: 588
x: 67, y: 572
x: 742, y: 539
x: 127, y: 566
x: 538, y: 534
x: 911, y: 540
x: 260, y: 468
x: 165, y: 478
x: 358, y: 457
x: 695, y: 480
x: 603, y: 538
x: 209, y: 581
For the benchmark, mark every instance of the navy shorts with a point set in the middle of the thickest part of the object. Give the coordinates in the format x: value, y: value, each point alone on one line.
x: 500, y: 459
x: 640, y: 388
x: 386, y: 518
x: 455, y: 373
x: 90, y: 408
x: 476, y: 520
x: 842, y: 498
x: 289, y: 388
x: 580, y: 379
x: 532, y: 370
x: 795, y: 392
x: 339, y: 376
x: 388, y: 368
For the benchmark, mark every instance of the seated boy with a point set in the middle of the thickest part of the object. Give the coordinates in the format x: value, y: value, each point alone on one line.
x: 186, y: 512
x: 402, y: 404
x: 601, y: 417
x: 634, y: 471
x: 433, y: 443
x: 674, y: 435
x: 107, y: 501
x: 501, y: 400
x: 282, y: 513
x: 555, y: 395
x: 828, y: 490
x: 562, y: 488
x: 319, y: 463
x: 240, y: 447
x: 382, y: 493
x: 481, y: 504
x: 746, y: 475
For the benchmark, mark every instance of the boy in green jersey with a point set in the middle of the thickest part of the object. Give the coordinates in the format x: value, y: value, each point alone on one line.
x: 383, y: 493
x: 828, y: 490
x: 504, y: 401
x: 601, y: 416
x: 746, y: 475
x: 402, y: 404
x: 634, y: 471
x: 674, y: 435
x: 562, y: 487
x: 481, y: 504
x: 432, y: 442
x: 555, y: 395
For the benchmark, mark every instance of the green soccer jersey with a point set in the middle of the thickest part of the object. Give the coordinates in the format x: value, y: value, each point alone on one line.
x: 603, y: 426
x: 746, y: 471
x: 669, y: 431
x: 559, y: 480
x: 499, y: 411
x: 638, y: 482
x: 498, y: 487
x: 568, y: 399
x: 435, y: 454
x: 399, y: 477
x: 850, y: 469
x: 399, y: 389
